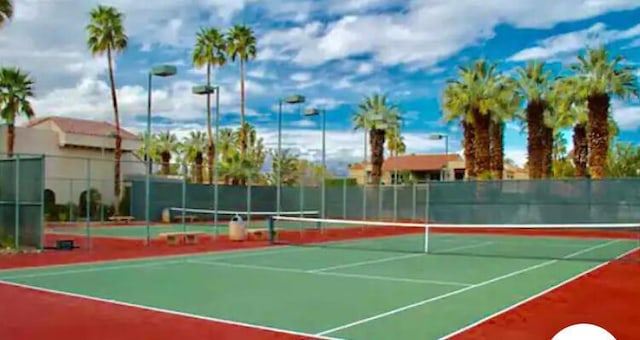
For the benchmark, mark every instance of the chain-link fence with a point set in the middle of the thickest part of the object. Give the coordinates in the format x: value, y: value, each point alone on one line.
x: 77, y: 199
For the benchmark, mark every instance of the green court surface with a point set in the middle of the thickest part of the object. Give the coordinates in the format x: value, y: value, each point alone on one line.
x: 339, y: 292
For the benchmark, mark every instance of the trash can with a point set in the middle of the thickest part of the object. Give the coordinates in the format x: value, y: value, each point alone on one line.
x: 237, y: 229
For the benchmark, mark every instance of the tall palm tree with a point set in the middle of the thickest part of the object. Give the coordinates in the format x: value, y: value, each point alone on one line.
x: 376, y: 115
x: 106, y: 34
x: 167, y: 144
x: 290, y: 167
x: 601, y: 78
x: 209, y: 51
x: 533, y: 84
x: 477, y: 88
x: 570, y: 110
x: 255, y: 149
x: 456, y: 106
x: 505, y: 103
x: 193, y: 147
x: 16, y: 88
x: 6, y: 11
x: 241, y: 45
x: 153, y: 150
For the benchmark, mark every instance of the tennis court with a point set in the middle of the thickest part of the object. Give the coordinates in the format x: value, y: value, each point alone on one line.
x: 350, y: 280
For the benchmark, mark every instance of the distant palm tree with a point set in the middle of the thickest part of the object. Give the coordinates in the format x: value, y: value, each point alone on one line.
x: 396, y: 147
x: 106, y: 34
x: 193, y: 147
x: 16, y: 88
x: 167, y: 144
x: 6, y: 11
x: 210, y: 51
x: 599, y: 79
x: 290, y: 167
x: 533, y: 84
x: 376, y: 116
x: 153, y: 150
x: 241, y: 45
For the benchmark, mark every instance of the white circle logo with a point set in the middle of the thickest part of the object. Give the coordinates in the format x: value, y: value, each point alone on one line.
x: 584, y: 331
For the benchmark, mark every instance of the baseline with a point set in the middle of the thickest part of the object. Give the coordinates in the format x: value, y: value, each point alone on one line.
x: 167, y: 311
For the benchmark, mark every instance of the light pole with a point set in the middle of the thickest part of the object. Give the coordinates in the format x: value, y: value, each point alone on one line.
x: 294, y: 99
x: 207, y: 90
x: 440, y: 136
x: 158, y: 71
x: 314, y: 112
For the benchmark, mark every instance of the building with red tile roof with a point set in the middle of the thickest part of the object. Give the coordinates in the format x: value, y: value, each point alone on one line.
x: 418, y: 168
x: 74, y: 148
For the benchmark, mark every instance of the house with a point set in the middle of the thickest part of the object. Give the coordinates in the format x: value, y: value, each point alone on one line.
x: 418, y: 168
x: 79, y: 153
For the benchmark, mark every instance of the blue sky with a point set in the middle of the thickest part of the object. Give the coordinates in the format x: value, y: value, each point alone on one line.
x: 333, y: 52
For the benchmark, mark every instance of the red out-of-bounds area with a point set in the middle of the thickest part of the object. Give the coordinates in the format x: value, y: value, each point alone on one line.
x: 29, y: 314
x: 607, y: 297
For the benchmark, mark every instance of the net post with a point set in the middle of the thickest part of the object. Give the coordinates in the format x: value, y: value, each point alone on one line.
x: 271, y: 228
x: 426, y: 238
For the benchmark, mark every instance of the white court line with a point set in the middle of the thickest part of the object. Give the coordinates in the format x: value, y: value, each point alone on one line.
x: 346, y: 275
x: 363, y: 263
x: 546, y: 291
x: 151, y: 264
x: 393, y: 258
x: 459, y: 291
x: 167, y: 311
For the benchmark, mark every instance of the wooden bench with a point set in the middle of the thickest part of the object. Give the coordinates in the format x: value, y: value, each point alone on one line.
x: 191, y: 218
x: 188, y: 237
x: 125, y: 219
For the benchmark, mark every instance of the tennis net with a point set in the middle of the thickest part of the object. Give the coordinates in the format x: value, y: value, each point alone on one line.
x: 588, y: 242
x: 224, y: 216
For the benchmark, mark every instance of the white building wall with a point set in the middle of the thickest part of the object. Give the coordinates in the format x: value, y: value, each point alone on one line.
x: 71, y: 170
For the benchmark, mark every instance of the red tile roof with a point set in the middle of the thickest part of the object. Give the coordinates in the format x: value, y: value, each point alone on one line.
x: 83, y: 127
x: 419, y: 162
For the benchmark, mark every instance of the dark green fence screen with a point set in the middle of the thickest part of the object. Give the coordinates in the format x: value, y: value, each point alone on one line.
x: 457, y: 202
x: 21, y: 201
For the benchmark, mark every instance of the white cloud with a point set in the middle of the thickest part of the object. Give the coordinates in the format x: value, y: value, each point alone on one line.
x: 426, y: 32
x: 517, y: 155
x: 571, y: 42
x: 304, y: 123
x: 627, y: 117
x: 365, y: 68
x: 301, y: 77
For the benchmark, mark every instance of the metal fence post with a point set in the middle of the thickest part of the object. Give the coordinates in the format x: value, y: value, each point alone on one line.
x: 87, y: 204
x: 249, y: 202
x: 184, y: 196
x: 344, y: 198
x: 414, y: 205
x: 17, y: 206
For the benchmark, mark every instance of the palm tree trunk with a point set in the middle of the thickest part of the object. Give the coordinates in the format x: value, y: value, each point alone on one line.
x: 580, y: 149
x: 199, y: 169
x: 535, y: 121
x: 598, y: 134
x: 497, y: 149
x: 469, y: 149
x: 166, y: 165
x: 483, y: 142
x: 377, y: 154
x: 118, y: 146
x: 210, y: 148
x: 546, y: 164
x: 11, y: 138
x: 243, y: 137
